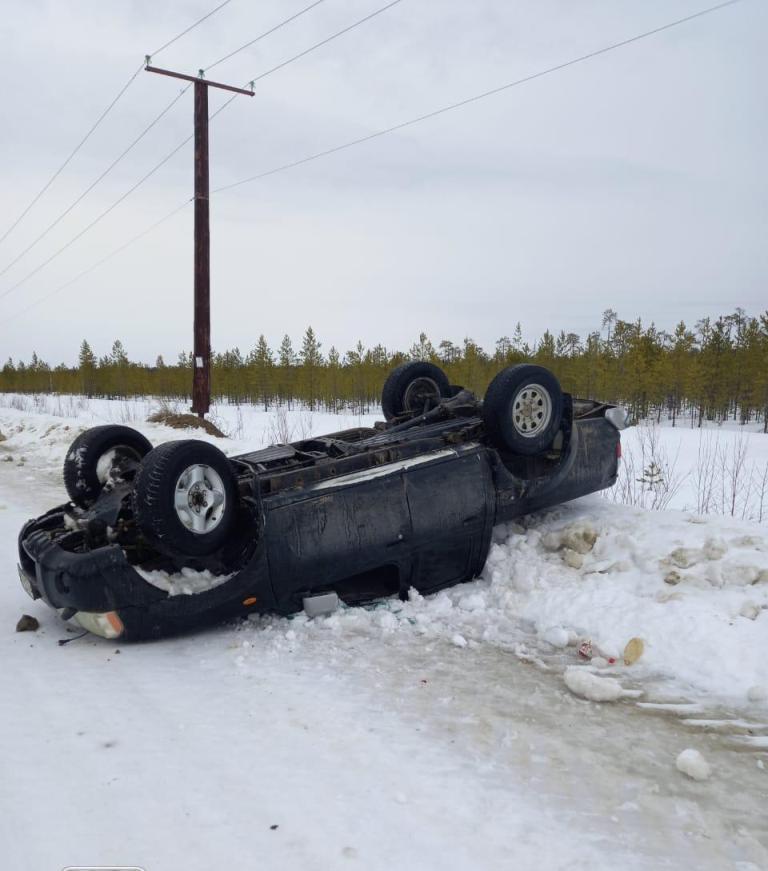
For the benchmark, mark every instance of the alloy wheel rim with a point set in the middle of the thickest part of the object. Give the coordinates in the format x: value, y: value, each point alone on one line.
x: 200, y: 499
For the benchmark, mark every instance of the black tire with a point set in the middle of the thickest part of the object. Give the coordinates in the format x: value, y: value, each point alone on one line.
x: 86, y: 469
x: 411, y: 386
x: 155, y: 492
x: 523, y: 409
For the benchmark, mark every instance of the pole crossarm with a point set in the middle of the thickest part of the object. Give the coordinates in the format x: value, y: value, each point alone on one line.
x: 175, y: 75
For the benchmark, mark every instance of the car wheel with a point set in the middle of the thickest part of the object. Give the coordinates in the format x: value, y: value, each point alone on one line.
x: 185, y: 498
x: 522, y: 409
x: 96, y: 456
x: 412, y: 387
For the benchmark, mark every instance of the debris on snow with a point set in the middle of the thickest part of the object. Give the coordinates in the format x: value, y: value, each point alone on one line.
x: 633, y: 651
x: 692, y: 763
x: 589, y: 686
x: 27, y: 623
x: 673, y: 577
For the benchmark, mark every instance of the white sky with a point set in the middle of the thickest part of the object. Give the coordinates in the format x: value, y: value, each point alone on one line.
x: 635, y: 180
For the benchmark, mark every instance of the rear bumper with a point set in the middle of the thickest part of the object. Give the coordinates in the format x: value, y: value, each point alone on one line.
x: 591, y: 465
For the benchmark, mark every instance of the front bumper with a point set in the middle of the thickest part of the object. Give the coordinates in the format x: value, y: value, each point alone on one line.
x: 100, y: 580
x: 101, y: 591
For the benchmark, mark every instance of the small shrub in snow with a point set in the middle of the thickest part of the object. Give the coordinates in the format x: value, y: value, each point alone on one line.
x: 692, y: 763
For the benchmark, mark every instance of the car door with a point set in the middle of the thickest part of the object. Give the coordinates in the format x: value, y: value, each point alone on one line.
x: 450, y: 504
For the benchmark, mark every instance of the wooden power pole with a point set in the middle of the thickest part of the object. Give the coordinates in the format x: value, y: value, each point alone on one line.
x: 201, y: 379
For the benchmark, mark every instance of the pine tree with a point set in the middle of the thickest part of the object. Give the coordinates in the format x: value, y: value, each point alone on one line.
x: 285, y: 355
x: 87, y: 365
x: 423, y: 349
x: 310, y: 349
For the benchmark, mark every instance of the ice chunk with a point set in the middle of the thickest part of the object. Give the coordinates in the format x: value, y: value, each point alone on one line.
x: 757, y: 693
x: 572, y: 558
x: 692, y: 763
x: 589, y: 686
x: 556, y: 636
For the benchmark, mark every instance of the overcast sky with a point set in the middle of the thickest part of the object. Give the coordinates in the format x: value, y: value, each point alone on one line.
x: 636, y: 180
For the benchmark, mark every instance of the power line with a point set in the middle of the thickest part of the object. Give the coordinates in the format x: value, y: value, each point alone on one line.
x: 262, y: 35
x: 165, y: 159
x: 368, y: 138
x: 327, y: 40
x: 98, y: 263
x: 449, y: 108
x: 191, y: 27
x: 63, y: 166
x: 93, y: 128
x: 96, y: 181
x: 95, y: 220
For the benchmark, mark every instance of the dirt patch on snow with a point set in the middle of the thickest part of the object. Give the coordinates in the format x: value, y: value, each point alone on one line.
x: 185, y: 421
x: 2, y: 437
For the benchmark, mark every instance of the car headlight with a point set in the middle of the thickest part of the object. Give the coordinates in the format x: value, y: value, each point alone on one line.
x: 618, y: 416
x: 107, y: 624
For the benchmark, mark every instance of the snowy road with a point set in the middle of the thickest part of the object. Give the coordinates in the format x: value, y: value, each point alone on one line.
x: 356, y: 743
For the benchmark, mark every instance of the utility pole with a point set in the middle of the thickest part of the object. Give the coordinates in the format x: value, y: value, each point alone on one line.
x: 201, y: 379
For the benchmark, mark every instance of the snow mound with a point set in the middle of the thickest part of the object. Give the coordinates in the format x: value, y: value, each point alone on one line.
x: 187, y: 582
x: 589, y: 686
x: 692, y: 763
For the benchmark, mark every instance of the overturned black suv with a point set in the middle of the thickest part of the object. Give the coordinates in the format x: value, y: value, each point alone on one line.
x: 159, y: 540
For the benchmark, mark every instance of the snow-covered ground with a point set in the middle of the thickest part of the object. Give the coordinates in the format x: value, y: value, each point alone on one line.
x: 435, y: 733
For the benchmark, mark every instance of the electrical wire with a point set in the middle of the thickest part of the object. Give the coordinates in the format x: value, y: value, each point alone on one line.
x: 99, y: 263
x: 325, y: 41
x: 96, y: 181
x: 168, y: 156
x: 474, y: 99
x: 64, y: 165
x: 368, y: 138
x: 96, y: 220
x: 93, y: 128
x: 190, y: 28
x: 262, y: 35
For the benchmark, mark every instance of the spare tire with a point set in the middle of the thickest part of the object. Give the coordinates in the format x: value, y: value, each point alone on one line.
x: 523, y: 409
x: 412, y: 387
x: 185, y: 498
x: 95, y: 456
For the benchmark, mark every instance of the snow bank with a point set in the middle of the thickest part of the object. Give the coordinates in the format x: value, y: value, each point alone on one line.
x: 617, y: 607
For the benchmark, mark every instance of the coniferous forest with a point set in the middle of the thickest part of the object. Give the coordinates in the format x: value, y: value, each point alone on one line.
x: 713, y: 370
